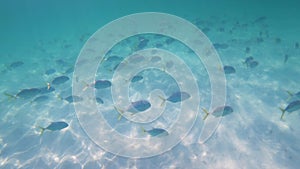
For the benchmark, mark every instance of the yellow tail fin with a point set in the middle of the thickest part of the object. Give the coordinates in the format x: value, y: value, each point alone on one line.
x: 163, y: 100
x: 42, y: 130
x: 283, y: 112
x: 121, y: 112
x: 206, y: 113
x: 10, y: 96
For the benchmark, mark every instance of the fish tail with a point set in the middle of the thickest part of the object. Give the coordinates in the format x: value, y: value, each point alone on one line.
x: 283, y: 112
x: 10, y: 96
x: 59, y: 97
x: 120, y: 113
x: 290, y: 94
x: 86, y: 85
x: 206, y: 113
x: 163, y: 100
x: 42, y: 130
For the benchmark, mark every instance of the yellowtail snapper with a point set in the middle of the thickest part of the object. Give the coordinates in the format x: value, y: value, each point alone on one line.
x: 54, y: 126
x: 218, y: 112
x: 60, y: 80
x: 156, y: 132
x: 176, y: 97
x: 293, y: 106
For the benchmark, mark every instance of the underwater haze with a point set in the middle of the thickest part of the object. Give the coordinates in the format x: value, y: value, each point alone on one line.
x: 208, y: 84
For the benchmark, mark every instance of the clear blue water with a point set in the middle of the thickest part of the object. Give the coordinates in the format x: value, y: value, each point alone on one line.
x: 41, y: 40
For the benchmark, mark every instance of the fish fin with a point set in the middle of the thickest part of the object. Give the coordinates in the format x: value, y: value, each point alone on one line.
x: 101, y: 61
x: 283, y: 112
x: 59, y: 97
x: 120, y: 113
x: 86, y: 86
x: 42, y: 130
x: 10, y: 96
x: 206, y: 113
x: 163, y: 100
x: 290, y: 94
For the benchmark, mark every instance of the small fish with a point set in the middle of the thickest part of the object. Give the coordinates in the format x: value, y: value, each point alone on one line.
x: 293, y: 106
x: 136, y: 78
x: 60, y: 80
x: 260, y: 19
x: 135, y: 107
x: 169, y: 41
x: 102, y: 84
x: 142, y: 44
x: 16, y: 64
x: 253, y: 64
x: 54, y: 126
x: 294, y: 94
x: 220, y: 45
x: 99, y: 100
x: 248, y: 60
x: 155, y: 59
x: 50, y: 71
x: 74, y: 99
x: 218, y: 112
x: 28, y: 93
x: 176, y: 97
x: 156, y: 132
x: 286, y: 57
x: 113, y: 58
x: 139, y: 106
x: 228, y: 69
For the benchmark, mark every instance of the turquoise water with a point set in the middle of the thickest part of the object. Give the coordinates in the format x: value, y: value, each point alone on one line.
x: 42, y: 40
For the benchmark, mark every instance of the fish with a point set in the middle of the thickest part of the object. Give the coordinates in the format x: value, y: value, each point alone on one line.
x: 16, y: 64
x: 54, y: 126
x: 135, y: 107
x: 218, y: 112
x: 60, y: 80
x: 253, y: 64
x: 296, y: 45
x: 113, y: 58
x: 156, y: 132
x: 99, y: 100
x: 176, y: 97
x: 286, y: 57
x: 136, y: 78
x: 50, y: 71
x: 250, y: 62
x: 142, y: 44
x: 260, y: 19
x: 228, y: 69
x: 169, y: 41
x: 28, y: 93
x: 155, y: 59
x: 220, y: 45
x: 102, y: 84
x: 139, y: 106
x: 291, y: 107
x: 293, y: 94
x: 74, y: 99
